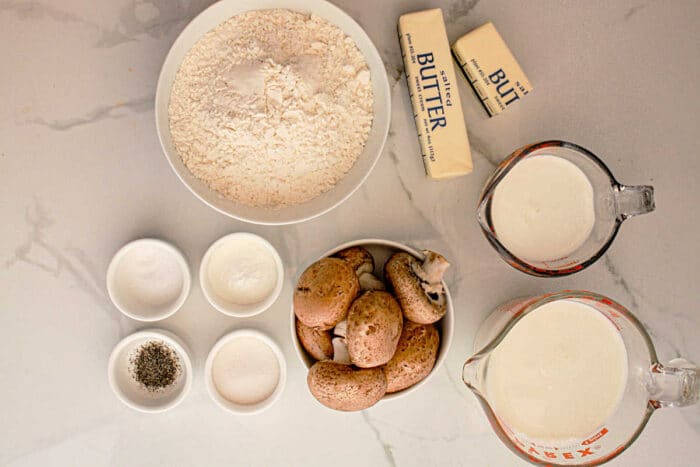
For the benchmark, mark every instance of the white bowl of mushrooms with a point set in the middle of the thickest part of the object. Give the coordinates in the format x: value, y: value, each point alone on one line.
x: 372, y: 320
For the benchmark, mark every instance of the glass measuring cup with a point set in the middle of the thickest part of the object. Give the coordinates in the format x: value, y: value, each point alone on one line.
x: 649, y: 385
x: 613, y: 204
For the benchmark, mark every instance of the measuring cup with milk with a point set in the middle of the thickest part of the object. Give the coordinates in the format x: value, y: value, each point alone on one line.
x: 571, y: 378
x: 553, y: 208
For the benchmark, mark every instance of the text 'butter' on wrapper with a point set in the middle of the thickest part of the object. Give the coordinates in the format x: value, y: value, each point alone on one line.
x: 491, y: 68
x: 432, y: 85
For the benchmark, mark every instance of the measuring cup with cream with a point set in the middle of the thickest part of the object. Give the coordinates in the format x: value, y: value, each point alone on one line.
x: 241, y: 274
x: 571, y: 378
x: 553, y: 208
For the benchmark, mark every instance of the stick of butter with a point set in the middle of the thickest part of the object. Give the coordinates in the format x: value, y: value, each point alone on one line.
x: 434, y: 95
x: 491, y: 69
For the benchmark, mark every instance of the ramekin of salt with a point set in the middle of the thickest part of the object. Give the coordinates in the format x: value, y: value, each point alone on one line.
x: 241, y: 274
x: 148, y: 279
x: 245, y: 372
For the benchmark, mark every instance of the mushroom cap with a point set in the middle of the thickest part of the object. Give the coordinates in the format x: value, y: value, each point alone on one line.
x: 374, y: 328
x: 417, y: 306
x: 414, y: 358
x: 359, y: 258
x: 317, y: 343
x: 342, y: 387
x: 324, y: 293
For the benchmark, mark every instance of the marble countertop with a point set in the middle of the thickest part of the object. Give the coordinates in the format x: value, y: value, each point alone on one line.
x: 81, y: 173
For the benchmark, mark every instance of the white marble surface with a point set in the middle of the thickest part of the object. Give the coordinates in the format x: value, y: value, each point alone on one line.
x: 81, y: 173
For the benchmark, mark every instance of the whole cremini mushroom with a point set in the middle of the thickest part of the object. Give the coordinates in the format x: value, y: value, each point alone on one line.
x: 359, y: 259
x: 414, y: 357
x: 324, y: 293
x: 418, y: 285
x: 374, y: 328
x: 317, y: 343
x: 342, y: 387
x: 362, y: 261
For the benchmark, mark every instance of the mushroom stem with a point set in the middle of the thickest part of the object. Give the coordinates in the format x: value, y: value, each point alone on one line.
x: 369, y: 281
x: 340, y: 351
x: 432, y: 269
x: 341, y: 329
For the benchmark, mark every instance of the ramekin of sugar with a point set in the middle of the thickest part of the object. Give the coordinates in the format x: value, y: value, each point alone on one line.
x: 148, y: 279
x: 245, y: 372
x: 241, y: 274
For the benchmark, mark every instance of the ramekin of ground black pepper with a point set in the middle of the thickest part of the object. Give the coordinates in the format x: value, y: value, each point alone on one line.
x: 150, y: 370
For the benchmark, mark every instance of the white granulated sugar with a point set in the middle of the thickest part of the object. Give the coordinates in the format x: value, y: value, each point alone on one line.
x: 246, y: 371
x: 271, y: 107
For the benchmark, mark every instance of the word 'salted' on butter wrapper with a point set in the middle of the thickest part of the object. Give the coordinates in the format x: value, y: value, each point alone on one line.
x: 491, y: 69
x: 432, y: 85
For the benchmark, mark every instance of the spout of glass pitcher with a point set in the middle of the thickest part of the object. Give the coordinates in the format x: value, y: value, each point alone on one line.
x: 473, y: 373
x: 481, y: 216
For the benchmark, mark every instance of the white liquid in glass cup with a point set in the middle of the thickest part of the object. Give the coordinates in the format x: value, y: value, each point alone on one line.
x: 553, y: 208
x: 571, y: 378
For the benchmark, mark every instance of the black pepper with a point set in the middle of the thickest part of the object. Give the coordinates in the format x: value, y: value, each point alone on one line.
x: 155, y: 366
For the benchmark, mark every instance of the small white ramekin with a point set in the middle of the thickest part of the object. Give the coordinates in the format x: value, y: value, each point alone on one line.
x: 226, y: 404
x: 129, y: 391
x: 144, y: 312
x: 234, y: 309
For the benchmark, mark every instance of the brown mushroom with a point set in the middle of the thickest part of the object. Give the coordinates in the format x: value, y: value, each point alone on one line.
x: 362, y: 262
x: 359, y: 259
x: 342, y: 387
x: 414, y: 357
x: 418, y: 285
x: 324, y: 293
x: 374, y: 328
x: 317, y: 343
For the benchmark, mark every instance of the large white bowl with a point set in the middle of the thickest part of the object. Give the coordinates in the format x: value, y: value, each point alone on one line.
x: 212, y: 17
x: 381, y: 250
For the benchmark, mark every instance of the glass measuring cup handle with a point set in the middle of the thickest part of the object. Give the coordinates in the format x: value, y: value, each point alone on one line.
x: 633, y: 200
x: 674, y: 385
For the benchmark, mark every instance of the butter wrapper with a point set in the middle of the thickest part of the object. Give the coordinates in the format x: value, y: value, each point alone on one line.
x: 491, y: 69
x: 432, y: 85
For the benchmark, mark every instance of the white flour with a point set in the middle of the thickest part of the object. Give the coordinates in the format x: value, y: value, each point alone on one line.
x: 271, y: 107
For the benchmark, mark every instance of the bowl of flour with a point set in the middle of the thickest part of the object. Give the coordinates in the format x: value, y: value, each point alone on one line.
x: 273, y: 111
